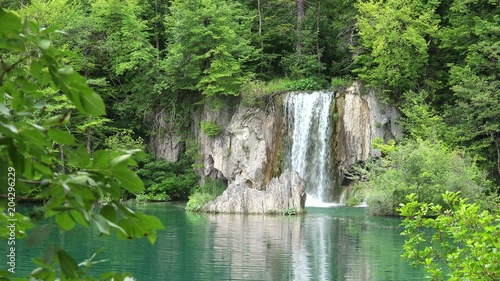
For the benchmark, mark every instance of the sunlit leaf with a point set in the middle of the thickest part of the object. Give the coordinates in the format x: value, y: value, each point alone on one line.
x: 61, y: 137
x: 129, y: 180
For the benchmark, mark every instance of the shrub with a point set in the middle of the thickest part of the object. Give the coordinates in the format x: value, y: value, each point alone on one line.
x: 168, y: 180
x: 307, y: 84
x: 198, y: 200
x: 457, y: 238
x: 339, y: 82
x: 205, y: 193
x: 353, y: 201
x: 210, y: 129
x: 426, y: 168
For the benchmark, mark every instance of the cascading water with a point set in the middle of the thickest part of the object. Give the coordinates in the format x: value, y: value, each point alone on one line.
x: 308, y: 123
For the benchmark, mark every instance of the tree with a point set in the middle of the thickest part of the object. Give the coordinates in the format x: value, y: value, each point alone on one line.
x: 30, y: 63
x: 394, y: 37
x: 208, y: 47
x: 472, y: 34
x: 425, y: 167
x: 457, y: 238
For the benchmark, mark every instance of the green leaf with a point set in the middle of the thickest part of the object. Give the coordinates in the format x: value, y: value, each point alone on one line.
x: 101, y: 159
x: 79, y: 217
x: 79, y: 157
x: 129, y: 180
x: 65, y: 221
x: 109, y: 212
x: 38, y: 235
x: 4, y: 110
x: 102, y: 224
x: 65, y: 70
x: 50, y: 253
x: 150, y: 221
x: 68, y: 265
x: 61, y: 137
x: 44, y: 44
x: 56, y: 120
x: 93, y: 104
x: 120, y: 160
x: 10, y: 127
x: 9, y: 22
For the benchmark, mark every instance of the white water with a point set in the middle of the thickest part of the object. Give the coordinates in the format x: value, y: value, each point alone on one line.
x: 307, y: 116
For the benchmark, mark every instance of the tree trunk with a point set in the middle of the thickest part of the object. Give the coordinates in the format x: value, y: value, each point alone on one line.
x: 300, y: 20
x: 259, y: 9
x: 61, y: 154
x: 497, y: 144
x: 157, y: 32
x: 89, y: 140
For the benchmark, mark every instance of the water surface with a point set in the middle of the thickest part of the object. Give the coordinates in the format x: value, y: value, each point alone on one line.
x: 338, y: 243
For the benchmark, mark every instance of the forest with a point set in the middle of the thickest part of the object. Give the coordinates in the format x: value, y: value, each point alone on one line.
x: 123, y: 65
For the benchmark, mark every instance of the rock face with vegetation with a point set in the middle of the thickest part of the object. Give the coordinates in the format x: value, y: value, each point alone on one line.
x: 238, y: 152
x: 361, y: 119
x: 284, y: 194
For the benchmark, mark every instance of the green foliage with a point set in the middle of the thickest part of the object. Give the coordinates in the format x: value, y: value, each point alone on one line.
x: 198, y: 200
x: 453, y: 241
x: 339, y: 82
x: 426, y: 168
x: 165, y: 180
x: 124, y: 140
x: 210, y: 129
x: 394, y: 39
x: 289, y: 212
x: 30, y: 63
x: 353, y: 201
x: 307, y: 84
x: 205, y: 193
x: 420, y: 120
x: 256, y: 93
x: 300, y: 66
x: 208, y: 46
x: 214, y: 187
x: 385, y: 148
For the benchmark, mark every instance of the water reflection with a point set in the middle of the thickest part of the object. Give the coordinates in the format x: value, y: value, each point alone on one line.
x: 325, y: 244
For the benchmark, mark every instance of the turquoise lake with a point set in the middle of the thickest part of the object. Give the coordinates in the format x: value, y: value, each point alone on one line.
x: 339, y: 243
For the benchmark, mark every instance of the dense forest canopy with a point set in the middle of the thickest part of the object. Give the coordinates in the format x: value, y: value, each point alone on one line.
x: 152, y: 62
x: 147, y: 56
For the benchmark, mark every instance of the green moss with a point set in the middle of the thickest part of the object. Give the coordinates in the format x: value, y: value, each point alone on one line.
x: 210, y: 129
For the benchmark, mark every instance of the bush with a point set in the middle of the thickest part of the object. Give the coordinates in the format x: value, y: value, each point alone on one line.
x: 257, y: 93
x: 168, y: 180
x: 307, y: 84
x: 463, y: 240
x: 426, y: 168
x: 210, y: 129
x: 353, y: 201
x: 198, y: 200
x: 339, y: 82
x: 205, y: 193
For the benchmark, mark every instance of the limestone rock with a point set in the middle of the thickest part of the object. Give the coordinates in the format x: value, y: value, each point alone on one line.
x: 238, y: 154
x: 363, y: 119
x: 282, y: 193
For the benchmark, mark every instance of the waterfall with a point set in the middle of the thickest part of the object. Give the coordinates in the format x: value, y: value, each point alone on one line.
x: 307, y: 117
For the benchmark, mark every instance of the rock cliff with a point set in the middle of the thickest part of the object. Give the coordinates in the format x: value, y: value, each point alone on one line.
x: 362, y: 118
x: 250, y: 150
x: 286, y: 192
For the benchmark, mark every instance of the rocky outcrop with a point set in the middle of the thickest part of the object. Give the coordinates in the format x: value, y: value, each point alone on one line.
x: 238, y: 154
x: 164, y: 143
x: 287, y: 192
x: 252, y: 146
x: 362, y: 118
